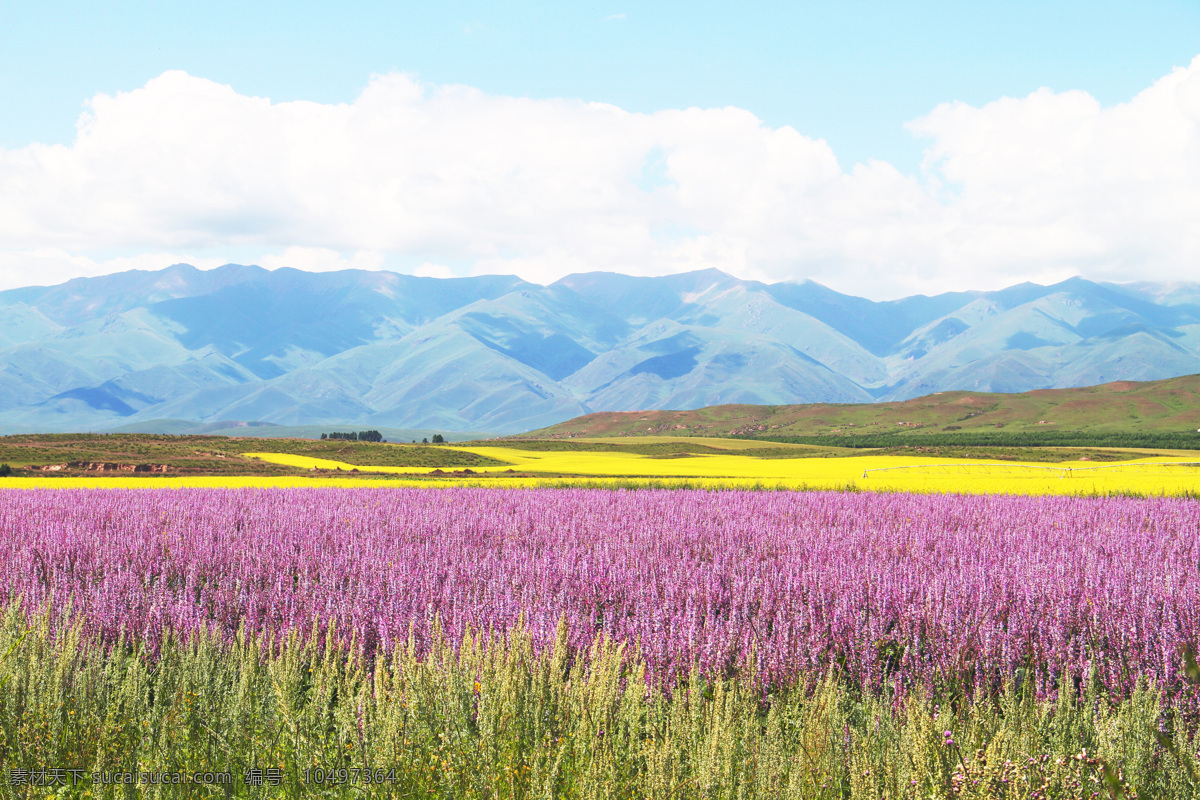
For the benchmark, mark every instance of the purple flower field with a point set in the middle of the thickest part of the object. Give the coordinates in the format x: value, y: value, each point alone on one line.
x: 890, y: 590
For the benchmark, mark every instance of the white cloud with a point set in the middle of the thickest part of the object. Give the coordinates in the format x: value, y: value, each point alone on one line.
x: 431, y: 270
x: 1057, y: 181
x: 1020, y: 189
x: 321, y: 259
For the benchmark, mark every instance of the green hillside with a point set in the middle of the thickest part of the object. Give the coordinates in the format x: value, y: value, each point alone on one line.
x: 72, y: 454
x: 1162, y: 413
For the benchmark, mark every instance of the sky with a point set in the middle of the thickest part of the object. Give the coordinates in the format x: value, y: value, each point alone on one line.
x: 880, y: 148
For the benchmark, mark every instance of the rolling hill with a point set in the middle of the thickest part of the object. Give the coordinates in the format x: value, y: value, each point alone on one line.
x: 1110, y: 411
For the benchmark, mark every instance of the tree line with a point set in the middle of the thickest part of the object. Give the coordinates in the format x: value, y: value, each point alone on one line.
x: 372, y: 436
x: 360, y: 436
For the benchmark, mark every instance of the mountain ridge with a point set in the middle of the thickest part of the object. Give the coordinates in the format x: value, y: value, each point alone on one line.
x: 500, y: 354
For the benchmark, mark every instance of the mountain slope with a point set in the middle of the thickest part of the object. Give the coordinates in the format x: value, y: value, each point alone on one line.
x: 499, y: 354
x: 1169, y: 406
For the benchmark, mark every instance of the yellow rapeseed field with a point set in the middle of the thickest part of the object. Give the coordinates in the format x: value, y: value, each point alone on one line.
x: 1150, y: 476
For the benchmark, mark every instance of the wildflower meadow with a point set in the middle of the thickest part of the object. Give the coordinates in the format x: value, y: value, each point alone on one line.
x: 574, y: 643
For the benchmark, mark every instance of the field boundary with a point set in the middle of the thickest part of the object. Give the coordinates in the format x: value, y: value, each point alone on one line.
x: 1064, y: 472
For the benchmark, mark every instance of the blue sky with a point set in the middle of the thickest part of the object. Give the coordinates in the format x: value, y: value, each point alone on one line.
x: 849, y: 72
x: 853, y: 74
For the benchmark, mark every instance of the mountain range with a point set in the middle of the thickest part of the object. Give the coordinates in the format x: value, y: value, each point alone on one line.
x: 499, y: 354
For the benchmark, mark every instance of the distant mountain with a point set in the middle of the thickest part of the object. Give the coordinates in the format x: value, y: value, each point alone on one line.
x: 499, y: 354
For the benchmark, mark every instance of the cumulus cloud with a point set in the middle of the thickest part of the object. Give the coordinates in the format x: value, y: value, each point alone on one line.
x: 1035, y: 188
x: 1056, y: 179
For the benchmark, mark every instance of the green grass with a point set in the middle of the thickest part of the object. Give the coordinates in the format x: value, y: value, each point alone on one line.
x: 675, y: 447
x: 817, y: 447
x: 493, y: 717
x: 217, y: 455
x: 1161, y: 414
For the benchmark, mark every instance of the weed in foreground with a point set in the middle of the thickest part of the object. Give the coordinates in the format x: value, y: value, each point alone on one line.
x: 491, y: 716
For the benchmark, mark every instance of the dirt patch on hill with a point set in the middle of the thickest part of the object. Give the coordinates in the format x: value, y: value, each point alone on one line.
x: 98, y: 466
